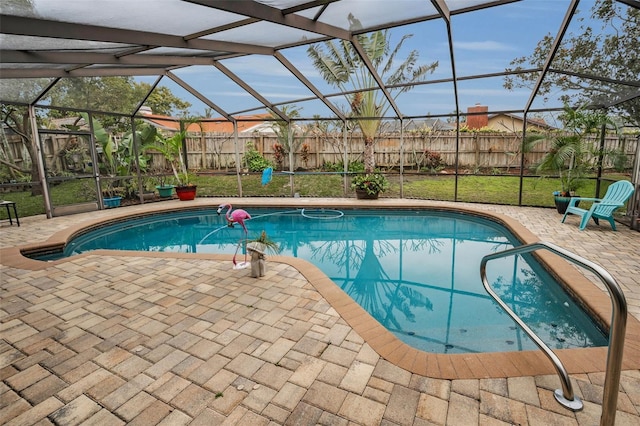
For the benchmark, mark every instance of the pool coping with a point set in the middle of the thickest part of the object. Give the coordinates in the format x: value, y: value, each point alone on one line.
x: 383, y: 342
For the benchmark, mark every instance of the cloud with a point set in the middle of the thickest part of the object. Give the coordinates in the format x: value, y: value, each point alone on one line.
x: 493, y: 92
x: 485, y: 91
x: 487, y: 45
x: 243, y: 94
x: 256, y: 65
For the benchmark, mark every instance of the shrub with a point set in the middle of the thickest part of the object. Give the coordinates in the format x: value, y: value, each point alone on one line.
x: 433, y: 161
x: 372, y: 183
x: 279, y: 153
x: 253, y: 160
x: 304, y: 154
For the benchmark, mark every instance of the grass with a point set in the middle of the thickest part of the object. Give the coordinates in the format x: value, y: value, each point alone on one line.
x: 489, y: 189
x: 471, y: 188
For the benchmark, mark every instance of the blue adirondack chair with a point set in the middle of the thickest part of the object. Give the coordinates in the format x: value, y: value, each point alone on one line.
x: 602, y: 208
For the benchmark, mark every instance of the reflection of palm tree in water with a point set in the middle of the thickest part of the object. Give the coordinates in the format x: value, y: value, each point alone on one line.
x: 372, y: 286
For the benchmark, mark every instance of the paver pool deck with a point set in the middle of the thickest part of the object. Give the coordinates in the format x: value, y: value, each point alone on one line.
x: 110, y: 338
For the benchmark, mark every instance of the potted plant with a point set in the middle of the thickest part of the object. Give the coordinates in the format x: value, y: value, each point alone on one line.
x: 171, y: 148
x: 118, y: 161
x: 264, y: 244
x: 111, y: 197
x: 185, y: 190
x: 164, y: 188
x: 111, y: 191
x: 257, y: 249
x: 569, y: 156
x: 369, y: 185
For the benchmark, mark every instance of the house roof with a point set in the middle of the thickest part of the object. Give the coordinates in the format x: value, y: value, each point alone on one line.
x: 538, y: 122
x: 416, y: 124
x: 245, y: 123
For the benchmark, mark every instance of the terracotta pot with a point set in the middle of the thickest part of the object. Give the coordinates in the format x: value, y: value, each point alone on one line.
x: 186, y: 193
x: 362, y: 194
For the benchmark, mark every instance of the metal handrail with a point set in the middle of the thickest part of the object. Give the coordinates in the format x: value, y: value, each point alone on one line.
x: 617, y: 330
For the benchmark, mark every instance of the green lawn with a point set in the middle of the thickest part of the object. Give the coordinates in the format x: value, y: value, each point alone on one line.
x: 489, y: 189
x: 471, y: 188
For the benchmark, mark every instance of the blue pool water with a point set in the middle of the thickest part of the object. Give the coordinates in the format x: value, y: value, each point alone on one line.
x: 416, y: 272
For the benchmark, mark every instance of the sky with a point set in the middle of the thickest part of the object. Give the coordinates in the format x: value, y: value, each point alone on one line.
x: 485, y: 42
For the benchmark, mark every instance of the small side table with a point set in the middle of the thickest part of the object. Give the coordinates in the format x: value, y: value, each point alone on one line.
x: 8, y: 205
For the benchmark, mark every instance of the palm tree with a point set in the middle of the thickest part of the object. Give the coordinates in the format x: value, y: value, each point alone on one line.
x: 340, y: 64
x: 290, y: 138
x: 171, y: 148
x: 174, y: 151
x: 571, y: 154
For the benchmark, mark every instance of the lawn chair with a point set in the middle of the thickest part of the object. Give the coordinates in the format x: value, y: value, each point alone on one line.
x: 602, y: 208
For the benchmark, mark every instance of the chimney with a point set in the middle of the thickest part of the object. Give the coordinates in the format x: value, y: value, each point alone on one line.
x: 475, y: 119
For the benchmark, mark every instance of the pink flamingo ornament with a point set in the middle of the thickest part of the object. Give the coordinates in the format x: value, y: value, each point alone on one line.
x: 238, y: 215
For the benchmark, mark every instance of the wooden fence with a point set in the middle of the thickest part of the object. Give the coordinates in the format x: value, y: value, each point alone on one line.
x: 208, y: 151
x: 473, y: 151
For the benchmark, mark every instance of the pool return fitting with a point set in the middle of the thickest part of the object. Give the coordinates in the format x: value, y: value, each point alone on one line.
x: 565, y: 395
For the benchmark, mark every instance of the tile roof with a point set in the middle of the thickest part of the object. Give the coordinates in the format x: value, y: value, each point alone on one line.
x: 245, y: 123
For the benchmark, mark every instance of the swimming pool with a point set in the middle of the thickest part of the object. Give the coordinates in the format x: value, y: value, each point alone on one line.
x: 415, y: 272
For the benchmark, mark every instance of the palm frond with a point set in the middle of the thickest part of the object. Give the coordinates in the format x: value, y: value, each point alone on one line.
x: 376, y: 46
x: 340, y: 63
x: 392, y: 56
x: 348, y: 56
x: 332, y: 72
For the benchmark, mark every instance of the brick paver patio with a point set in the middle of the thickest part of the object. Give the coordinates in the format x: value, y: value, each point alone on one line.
x: 113, y: 338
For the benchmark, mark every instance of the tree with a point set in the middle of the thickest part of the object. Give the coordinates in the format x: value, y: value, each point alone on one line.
x: 330, y: 131
x: 570, y: 154
x: 162, y: 101
x: 16, y: 119
x: 289, y: 137
x: 110, y: 94
x: 113, y: 94
x: 173, y: 149
x: 611, y: 52
x: 282, y: 129
x: 340, y: 64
